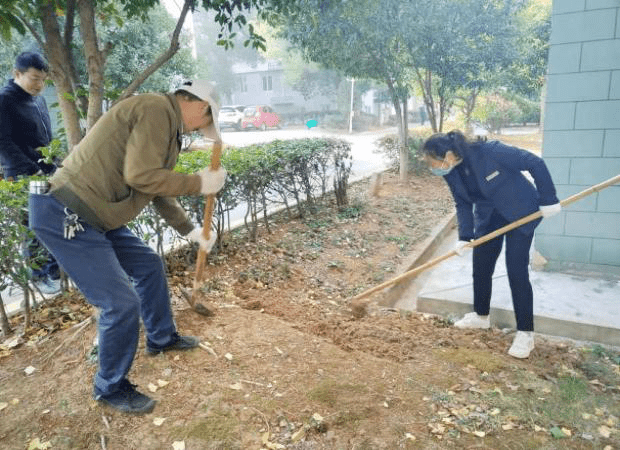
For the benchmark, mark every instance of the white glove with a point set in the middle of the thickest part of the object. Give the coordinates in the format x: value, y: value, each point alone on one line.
x: 550, y: 210
x: 212, y: 180
x: 205, y: 244
x: 460, y: 248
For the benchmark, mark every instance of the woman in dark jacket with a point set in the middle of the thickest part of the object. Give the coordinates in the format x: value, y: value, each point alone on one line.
x: 490, y: 191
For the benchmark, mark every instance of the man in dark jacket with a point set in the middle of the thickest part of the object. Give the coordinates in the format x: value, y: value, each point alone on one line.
x: 25, y: 127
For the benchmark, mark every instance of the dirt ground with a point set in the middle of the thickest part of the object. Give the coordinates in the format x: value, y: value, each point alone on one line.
x: 285, y: 365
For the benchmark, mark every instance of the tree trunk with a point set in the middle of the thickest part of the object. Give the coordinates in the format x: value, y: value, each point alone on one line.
x: 404, y: 148
x: 402, y: 138
x: 5, y: 326
x: 95, y: 61
x: 59, y: 59
x: 164, y: 57
x: 426, y: 85
x: 469, y: 103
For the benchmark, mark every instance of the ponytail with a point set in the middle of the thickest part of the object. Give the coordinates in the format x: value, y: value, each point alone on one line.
x: 439, y: 144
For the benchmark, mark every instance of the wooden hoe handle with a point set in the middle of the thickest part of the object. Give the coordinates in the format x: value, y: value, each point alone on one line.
x: 201, y: 259
x: 485, y: 238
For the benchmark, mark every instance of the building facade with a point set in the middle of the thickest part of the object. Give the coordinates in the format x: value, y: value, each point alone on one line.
x: 264, y: 83
x: 581, y: 141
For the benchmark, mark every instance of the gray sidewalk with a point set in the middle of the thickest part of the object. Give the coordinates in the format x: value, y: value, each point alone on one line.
x: 583, y: 307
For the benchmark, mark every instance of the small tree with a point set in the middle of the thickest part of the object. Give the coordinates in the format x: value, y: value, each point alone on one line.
x: 495, y: 112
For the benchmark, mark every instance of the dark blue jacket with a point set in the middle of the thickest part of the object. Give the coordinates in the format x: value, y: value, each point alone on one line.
x: 24, y: 126
x: 497, y: 168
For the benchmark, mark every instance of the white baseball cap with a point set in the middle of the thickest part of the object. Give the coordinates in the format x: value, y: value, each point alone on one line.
x: 205, y: 90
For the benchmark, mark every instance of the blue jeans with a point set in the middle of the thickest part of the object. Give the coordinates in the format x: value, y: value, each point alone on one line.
x: 517, y: 261
x: 119, y: 274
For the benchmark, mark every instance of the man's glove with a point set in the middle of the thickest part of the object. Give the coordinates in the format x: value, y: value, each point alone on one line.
x: 212, y: 180
x: 550, y: 210
x: 461, y: 247
x: 205, y: 244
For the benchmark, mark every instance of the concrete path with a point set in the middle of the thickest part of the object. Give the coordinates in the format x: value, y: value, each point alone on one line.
x: 584, y: 307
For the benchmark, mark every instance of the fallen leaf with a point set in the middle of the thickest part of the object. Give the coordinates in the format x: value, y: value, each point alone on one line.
x: 157, y: 421
x: 236, y: 386
x: 409, y: 436
x: 152, y: 387
x: 298, y: 435
x: 479, y: 433
x: 604, y: 431
x: 567, y: 432
x: 162, y: 383
x: 3, y: 405
x: 178, y: 445
x: 228, y: 356
x: 507, y: 426
x: 29, y: 370
x: 436, y: 428
x: 36, y: 444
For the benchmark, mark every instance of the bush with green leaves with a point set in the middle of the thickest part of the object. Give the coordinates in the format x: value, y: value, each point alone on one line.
x: 15, y: 268
x: 262, y: 177
x: 494, y: 112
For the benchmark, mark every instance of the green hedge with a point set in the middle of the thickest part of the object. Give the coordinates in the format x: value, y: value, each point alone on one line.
x: 291, y: 173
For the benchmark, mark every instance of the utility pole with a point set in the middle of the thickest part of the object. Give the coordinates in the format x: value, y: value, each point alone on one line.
x: 351, y: 112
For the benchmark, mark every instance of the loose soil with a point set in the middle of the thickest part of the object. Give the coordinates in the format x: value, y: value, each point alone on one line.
x: 285, y: 365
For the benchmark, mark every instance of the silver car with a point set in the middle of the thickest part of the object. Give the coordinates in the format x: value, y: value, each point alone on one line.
x: 231, y: 116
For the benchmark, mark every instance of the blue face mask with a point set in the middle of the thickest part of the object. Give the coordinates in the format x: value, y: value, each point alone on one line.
x: 440, y: 171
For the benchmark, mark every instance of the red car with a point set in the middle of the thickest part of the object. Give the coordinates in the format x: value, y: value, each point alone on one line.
x: 259, y: 117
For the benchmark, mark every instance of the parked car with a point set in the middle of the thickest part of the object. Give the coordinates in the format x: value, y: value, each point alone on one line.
x: 259, y: 117
x: 231, y: 116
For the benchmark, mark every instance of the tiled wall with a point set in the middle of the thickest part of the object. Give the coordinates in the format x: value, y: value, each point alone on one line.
x: 581, y: 143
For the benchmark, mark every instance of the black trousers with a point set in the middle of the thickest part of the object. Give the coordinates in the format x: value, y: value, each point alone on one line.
x: 517, y: 261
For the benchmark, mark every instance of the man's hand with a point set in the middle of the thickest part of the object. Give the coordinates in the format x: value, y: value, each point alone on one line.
x: 212, y: 180
x: 205, y: 244
x: 550, y: 210
x: 461, y: 247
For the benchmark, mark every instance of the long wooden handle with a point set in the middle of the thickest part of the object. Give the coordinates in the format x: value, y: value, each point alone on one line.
x: 201, y: 259
x: 485, y: 238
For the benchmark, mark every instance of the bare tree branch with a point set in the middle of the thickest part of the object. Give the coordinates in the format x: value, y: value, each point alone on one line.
x: 164, y: 57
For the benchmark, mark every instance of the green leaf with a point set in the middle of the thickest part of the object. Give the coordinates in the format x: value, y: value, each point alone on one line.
x: 557, y: 433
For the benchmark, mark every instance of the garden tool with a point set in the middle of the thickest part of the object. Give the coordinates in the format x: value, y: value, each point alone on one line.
x: 360, y: 301
x: 201, y: 258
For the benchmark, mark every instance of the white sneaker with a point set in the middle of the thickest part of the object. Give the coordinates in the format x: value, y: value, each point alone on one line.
x: 522, y: 344
x: 473, y: 320
x: 48, y: 286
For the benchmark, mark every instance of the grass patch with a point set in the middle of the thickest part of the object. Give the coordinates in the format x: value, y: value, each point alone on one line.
x: 351, y: 212
x: 219, y: 431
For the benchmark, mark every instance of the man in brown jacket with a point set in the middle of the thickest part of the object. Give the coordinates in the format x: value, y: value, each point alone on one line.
x: 124, y: 163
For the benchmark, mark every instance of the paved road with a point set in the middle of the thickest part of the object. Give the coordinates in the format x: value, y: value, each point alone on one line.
x: 365, y: 163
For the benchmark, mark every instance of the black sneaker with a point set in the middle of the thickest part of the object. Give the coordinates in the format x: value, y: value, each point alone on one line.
x: 176, y: 343
x: 126, y: 399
